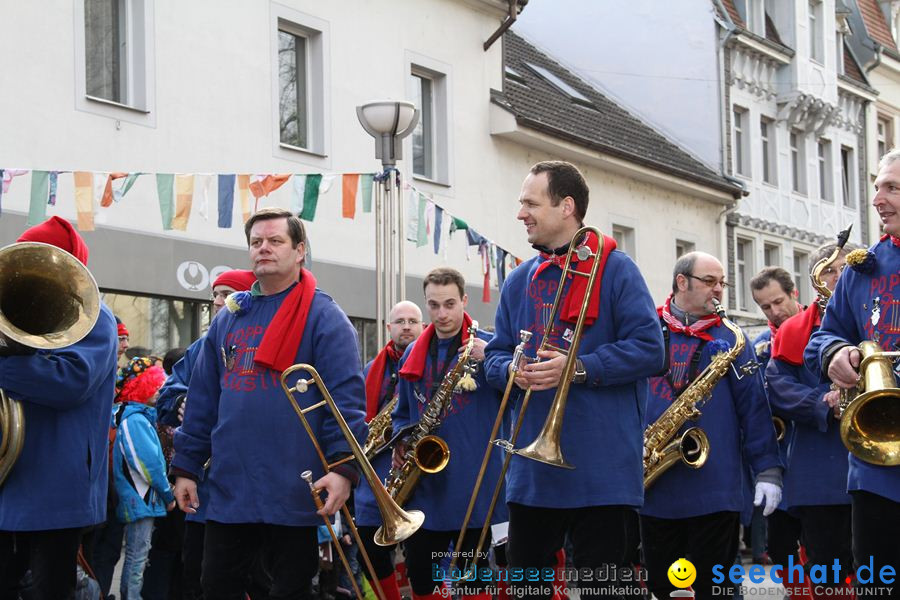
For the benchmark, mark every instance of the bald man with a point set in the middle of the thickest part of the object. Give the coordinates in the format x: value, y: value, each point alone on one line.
x: 404, y: 326
x: 695, y: 512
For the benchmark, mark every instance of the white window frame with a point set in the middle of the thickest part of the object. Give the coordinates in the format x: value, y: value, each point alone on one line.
x: 824, y: 169
x: 440, y: 74
x: 685, y: 246
x: 799, y: 174
x: 740, y: 141
x: 769, y: 150
x: 848, y: 176
x: 744, y: 269
x: 885, y: 135
x: 318, y: 83
x: 816, y: 24
x: 771, y: 254
x: 800, y: 265
x: 138, y: 69
x: 626, y: 239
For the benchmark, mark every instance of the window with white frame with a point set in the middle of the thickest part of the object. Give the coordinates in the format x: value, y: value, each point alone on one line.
x: 839, y: 52
x: 117, y: 58
x: 801, y: 272
x: 430, y: 150
x: 744, y: 271
x: 769, y: 154
x: 624, y: 237
x: 682, y: 247
x: 823, y: 149
x: 300, y: 84
x: 816, y: 27
x: 771, y: 255
x: 798, y: 161
x: 848, y: 189
x: 740, y: 141
x: 885, y: 135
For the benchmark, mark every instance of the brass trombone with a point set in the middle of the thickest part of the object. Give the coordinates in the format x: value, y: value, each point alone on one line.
x: 49, y: 300
x: 546, y: 447
x: 398, y: 523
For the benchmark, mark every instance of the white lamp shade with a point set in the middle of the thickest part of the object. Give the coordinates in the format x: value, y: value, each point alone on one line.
x: 387, y: 117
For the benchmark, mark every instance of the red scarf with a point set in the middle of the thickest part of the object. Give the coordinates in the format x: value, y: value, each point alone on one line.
x: 376, y: 377
x: 575, y: 296
x: 280, y: 342
x: 415, y: 363
x: 794, y: 334
x: 894, y: 239
x: 696, y: 329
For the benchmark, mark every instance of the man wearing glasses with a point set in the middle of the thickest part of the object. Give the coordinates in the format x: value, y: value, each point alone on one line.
x: 695, y: 512
x: 404, y: 326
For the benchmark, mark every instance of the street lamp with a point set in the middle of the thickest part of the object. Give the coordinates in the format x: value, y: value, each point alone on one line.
x: 388, y: 122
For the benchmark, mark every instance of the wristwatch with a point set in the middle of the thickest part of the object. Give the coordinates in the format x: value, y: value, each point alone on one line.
x: 580, y: 375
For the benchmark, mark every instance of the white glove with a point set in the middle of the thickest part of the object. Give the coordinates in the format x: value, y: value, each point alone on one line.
x: 769, y: 492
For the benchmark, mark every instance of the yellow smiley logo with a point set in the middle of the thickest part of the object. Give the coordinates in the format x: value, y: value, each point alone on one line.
x: 682, y: 573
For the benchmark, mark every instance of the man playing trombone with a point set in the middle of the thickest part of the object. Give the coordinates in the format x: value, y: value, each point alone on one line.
x: 865, y: 307
x: 620, y: 347
x: 239, y: 419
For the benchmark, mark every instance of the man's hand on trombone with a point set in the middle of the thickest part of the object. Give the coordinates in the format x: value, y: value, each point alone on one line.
x: 337, y: 490
x: 544, y: 374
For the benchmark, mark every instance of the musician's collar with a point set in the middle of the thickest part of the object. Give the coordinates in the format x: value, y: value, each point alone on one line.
x: 682, y: 315
x: 561, y: 251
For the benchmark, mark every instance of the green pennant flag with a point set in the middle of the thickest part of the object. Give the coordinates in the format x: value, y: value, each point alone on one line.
x: 457, y: 224
x: 422, y: 229
x: 40, y: 193
x: 165, y: 189
x: 365, y: 186
x: 129, y: 181
x: 310, y: 197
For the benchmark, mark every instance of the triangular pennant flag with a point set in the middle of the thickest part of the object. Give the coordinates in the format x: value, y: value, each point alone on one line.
x: 205, y: 182
x: 184, y: 197
x: 501, y: 266
x: 483, y: 252
x: 226, y: 200
x: 8, y: 175
x: 37, y: 208
x: 129, y: 181
x: 457, y: 224
x: 54, y: 183
x: 422, y: 224
x: 267, y: 184
x: 107, y: 198
x: 299, y: 187
x: 244, y: 193
x: 325, y: 185
x: 84, y: 199
x: 310, y: 197
x: 349, y: 183
x: 438, y: 223
x: 365, y: 188
x: 165, y: 191
x: 412, y: 211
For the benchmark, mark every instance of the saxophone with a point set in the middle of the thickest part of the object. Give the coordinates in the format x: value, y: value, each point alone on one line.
x: 693, y: 446
x: 380, y: 429
x: 425, y: 452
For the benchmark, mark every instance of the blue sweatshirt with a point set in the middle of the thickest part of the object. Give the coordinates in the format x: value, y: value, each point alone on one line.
x: 60, y: 479
x: 737, y: 422
x: 139, y: 469
x: 816, y: 466
x: 849, y: 319
x: 239, y: 415
x: 762, y: 345
x: 367, y: 514
x: 444, y: 496
x: 176, y: 386
x: 619, y: 352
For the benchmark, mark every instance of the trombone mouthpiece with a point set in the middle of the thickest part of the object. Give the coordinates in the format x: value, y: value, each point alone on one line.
x: 307, y: 477
x: 525, y: 336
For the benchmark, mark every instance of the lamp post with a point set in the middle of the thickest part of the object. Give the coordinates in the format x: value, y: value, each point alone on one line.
x: 388, y: 122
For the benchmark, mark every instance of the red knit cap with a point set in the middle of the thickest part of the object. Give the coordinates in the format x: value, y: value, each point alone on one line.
x: 60, y: 233
x: 239, y: 280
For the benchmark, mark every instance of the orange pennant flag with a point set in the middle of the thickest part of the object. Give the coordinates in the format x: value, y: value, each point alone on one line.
x: 244, y: 193
x: 84, y: 199
x: 267, y: 185
x: 107, y: 191
x: 351, y: 183
x: 184, y: 196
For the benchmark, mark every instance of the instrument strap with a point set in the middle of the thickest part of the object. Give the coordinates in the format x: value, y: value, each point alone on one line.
x: 695, y: 360
x: 439, y: 371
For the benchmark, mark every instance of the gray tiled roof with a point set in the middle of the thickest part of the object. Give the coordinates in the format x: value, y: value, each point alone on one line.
x: 599, y: 123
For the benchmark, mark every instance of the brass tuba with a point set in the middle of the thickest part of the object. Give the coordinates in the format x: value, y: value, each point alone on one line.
x: 870, y: 424
x: 48, y: 300
x: 692, y: 447
x: 546, y: 447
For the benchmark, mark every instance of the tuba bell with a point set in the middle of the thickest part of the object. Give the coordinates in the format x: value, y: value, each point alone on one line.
x: 870, y: 424
x: 48, y: 300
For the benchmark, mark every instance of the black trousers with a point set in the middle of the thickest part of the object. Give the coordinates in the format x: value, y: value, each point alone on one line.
x: 706, y: 541
x: 876, y: 540
x: 599, y: 535
x: 825, y: 533
x: 51, y: 557
x: 783, y: 535
x: 192, y: 560
x: 425, y: 555
x: 382, y: 557
x: 230, y: 552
